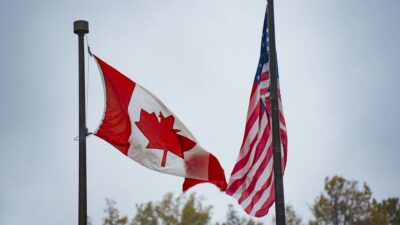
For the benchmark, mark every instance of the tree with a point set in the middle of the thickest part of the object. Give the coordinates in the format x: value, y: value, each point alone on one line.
x: 113, y: 217
x: 344, y: 203
x: 232, y: 218
x: 194, y: 213
x: 173, y: 211
x: 390, y: 209
x: 291, y: 217
x: 168, y: 210
x: 183, y: 210
x: 145, y: 215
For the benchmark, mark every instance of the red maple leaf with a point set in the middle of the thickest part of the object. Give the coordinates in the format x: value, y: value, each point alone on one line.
x: 162, y: 135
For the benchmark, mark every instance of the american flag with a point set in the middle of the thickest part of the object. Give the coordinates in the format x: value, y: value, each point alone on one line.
x: 252, y: 178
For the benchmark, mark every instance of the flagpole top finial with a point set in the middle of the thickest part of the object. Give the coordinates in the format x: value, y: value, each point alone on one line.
x: 81, y: 27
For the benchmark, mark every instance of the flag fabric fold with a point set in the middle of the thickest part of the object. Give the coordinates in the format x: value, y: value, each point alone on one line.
x: 252, y: 178
x: 141, y: 127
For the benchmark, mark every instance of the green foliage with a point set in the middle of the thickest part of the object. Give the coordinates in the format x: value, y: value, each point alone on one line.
x: 168, y: 210
x: 291, y: 217
x: 194, y: 213
x: 344, y: 203
x: 145, y: 215
x: 113, y: 217
x: 389, y: 209
x: 232, y: 218
x: 376, y: 216
x: 173, y: 211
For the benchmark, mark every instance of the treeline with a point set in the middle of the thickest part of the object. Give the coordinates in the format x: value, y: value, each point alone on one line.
x: 342, y: 202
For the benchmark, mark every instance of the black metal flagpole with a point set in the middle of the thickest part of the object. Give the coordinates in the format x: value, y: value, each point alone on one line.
x: 81, y: 28
x: 276, y: 139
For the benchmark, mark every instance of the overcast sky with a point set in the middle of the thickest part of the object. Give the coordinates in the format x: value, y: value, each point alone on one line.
x: 339, y: 70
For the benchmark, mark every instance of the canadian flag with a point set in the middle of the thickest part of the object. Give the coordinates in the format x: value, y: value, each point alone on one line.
x: 140, y: 126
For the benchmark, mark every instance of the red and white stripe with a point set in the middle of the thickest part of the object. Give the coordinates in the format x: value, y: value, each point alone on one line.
x: 252, y: 179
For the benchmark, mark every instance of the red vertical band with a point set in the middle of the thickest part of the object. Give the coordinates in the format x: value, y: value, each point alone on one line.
x: 115, y: 127
x: 216, y: 176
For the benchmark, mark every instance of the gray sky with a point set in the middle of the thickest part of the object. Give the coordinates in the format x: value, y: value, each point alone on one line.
x: 338, y: 63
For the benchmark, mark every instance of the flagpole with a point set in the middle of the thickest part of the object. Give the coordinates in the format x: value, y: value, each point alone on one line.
x: 81, y: 28
x: 276, y: 140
